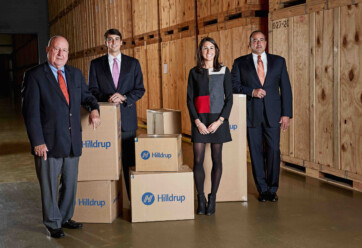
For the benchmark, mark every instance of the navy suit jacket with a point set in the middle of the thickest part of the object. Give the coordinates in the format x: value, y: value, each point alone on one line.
x: 130, y: 84
x: 278, y: 99
x: 48, y: 117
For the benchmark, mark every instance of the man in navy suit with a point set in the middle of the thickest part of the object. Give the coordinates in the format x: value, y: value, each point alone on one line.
x: 52, y: 95
x: 264, y: 79
x: 118, y: 78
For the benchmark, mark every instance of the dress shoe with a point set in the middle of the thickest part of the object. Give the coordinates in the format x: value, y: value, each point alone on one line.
x: 263, y: 197
x: 273, y: 197
x: 211, y: 205
x: 56, y: 233
x: 201, y: 208
x: 71, y: 224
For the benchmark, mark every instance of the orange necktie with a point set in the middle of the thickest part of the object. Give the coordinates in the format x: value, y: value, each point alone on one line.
x: 260, y: 70
x: 63, y: 86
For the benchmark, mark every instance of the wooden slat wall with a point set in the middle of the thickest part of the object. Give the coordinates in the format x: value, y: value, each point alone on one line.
x: 161, y: 34
x: 323, y: 50
x: 140, y: 53
x: 351, y: 88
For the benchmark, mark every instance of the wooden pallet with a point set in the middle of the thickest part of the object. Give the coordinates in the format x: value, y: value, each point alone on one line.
x: 324, y: 173
x: 280, y: 10
x: 147, y: 38
x: 228, y: 19
x: 98, y: 50
x: 179, y: 31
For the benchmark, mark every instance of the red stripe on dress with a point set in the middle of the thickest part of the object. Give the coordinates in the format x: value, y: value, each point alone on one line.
x: 202, y: 104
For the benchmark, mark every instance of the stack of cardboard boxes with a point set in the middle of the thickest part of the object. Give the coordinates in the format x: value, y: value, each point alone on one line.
x: 161, y: 187
x: 98, y: 192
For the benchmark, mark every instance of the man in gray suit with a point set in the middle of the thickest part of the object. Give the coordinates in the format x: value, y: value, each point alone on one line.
x: 52, y: 95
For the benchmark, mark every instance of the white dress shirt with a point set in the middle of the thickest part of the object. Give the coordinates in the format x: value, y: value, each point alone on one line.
x: 111, y: 61
x: 263, y: 58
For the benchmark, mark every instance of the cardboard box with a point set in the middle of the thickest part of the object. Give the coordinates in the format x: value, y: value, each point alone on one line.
x: 163, y: 121
x: 101, y: 154
x: 233, y: 184
x: 158, y: 152
x: 97, y: 201
x: 160, y: 196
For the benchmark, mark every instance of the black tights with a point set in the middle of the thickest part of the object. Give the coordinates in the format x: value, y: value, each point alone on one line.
x: 199, y: 173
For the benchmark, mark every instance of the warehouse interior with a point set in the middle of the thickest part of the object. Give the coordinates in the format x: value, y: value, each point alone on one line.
x: 321, y: 177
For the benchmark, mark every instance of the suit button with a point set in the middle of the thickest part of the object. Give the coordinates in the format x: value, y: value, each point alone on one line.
x: 70, y: 114
x: 70, y: 128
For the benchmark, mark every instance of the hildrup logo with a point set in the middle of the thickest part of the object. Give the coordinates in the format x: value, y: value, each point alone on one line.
x: 148, y: 198
x: 145, y: 155
x: 89, y: 202
x: 96, y: 144
x: 233, y: 127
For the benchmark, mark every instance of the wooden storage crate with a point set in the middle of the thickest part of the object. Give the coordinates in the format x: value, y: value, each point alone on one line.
x: 178, y: 57
x: 324, y: 53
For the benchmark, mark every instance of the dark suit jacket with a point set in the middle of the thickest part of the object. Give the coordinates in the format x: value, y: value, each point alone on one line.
x: 48, y: 117
x: 278, y: 99
x: 130, y: 84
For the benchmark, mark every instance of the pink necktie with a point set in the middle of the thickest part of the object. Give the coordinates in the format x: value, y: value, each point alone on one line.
x: 260, y: 70
x: 115, y: 72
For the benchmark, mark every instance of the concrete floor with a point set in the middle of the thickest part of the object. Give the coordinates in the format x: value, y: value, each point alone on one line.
x: 310, y: 213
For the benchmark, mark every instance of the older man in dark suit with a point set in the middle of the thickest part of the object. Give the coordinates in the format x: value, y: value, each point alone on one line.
x: 117, y: 78
x: 264, y: 79
x: 52, y: 95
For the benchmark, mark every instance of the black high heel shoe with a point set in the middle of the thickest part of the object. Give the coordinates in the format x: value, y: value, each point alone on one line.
x: 201, y: 208
x: 211, y: 205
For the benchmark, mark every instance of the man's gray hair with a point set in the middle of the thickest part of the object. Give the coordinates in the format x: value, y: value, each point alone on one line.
x: 53, y: 38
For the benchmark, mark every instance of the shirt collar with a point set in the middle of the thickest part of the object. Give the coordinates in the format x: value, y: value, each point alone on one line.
x: 263, y: 56
x: 55, y: 69
x: 110, y: 57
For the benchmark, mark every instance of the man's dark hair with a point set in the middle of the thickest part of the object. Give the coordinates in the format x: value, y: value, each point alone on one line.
x: 112, y: 31
x: 254, y: 32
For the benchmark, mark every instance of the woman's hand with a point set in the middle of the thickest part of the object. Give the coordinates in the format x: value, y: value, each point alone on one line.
x: 202, y: 128
x: 214, y: 126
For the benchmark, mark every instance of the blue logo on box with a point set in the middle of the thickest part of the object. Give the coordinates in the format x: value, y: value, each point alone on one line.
x: 145, y: 155
x: 233, y: 127
x: 148, y: 198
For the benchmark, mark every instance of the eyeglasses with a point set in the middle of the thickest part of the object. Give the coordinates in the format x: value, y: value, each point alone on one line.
x: 57, y: 49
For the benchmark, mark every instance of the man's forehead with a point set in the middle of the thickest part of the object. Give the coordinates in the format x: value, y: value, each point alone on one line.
x: 257, y: 35
x: 113, y: 35
x: 60, y: 41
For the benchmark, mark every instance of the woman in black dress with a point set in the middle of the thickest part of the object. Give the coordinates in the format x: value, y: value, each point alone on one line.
x: 209, y: 100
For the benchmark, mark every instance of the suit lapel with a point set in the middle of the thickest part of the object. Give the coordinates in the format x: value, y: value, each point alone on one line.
x: 69, y: 75
x: 50, y: 76
x: 124, y: 69
x: 107, y: 71
x: 252, y: 68
x: 269, y: 66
